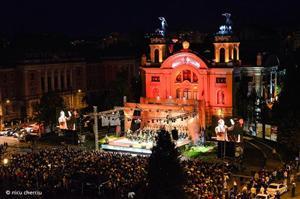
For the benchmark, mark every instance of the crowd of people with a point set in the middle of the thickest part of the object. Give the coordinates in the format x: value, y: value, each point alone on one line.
x: 260, y: 181
x: 3, y: 147
x: 61, y: 171
x: 66, y: 170
x: 205, y: 180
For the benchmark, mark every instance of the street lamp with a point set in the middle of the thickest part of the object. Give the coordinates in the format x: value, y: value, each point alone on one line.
x: 5, y: 161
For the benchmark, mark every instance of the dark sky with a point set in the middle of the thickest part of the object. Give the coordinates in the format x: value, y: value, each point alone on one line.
x: 93, y: 17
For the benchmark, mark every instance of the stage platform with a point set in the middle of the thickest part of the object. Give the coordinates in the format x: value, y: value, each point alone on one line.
x: 123, y: 144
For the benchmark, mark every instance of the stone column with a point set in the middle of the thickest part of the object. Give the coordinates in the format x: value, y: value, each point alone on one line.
x: 271, y: 87
x: 71, y: 78
x: 65, y: 79
x: 46, y: 81
x: 52, y: 80
x: 237, y: 53
x: 59, y: 80
x: 96, y: 127
x: 275, y: 84
x: 226, y: 54
x: 217, y: 50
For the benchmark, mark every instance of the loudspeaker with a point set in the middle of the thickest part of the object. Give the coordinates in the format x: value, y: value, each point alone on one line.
x: 175, y: 134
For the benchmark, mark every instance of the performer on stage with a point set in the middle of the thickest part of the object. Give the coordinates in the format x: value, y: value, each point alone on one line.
x: 221, y: 130
x: 62, y: 120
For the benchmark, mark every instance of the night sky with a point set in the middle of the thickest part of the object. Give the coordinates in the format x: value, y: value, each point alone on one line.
x: 93, y: 17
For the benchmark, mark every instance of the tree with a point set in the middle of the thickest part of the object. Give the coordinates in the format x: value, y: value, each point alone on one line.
x: 241, y: 99
x: 48, y: 109
x: 165, y: 174
x: 286, y: 112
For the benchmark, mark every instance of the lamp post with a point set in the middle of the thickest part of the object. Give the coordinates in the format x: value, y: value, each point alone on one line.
x: 1, y: 112
x: 96, y: 128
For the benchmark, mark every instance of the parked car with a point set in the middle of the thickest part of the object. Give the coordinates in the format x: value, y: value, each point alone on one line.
x: 5, y: 131
x: 273, y: 188
x: 19, y: 133
x: 11, y: 132
x: 264, y: 196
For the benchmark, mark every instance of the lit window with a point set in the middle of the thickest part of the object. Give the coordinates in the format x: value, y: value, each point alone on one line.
x: 155, y: 79
x: 178, y: 78
x: 187, y: 75
x: 221, y: 80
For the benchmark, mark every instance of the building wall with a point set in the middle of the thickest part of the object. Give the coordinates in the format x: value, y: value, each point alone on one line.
x: 67, y: 78
x: 8, y: 94
x: 23, y: 85
x: 101, y: 73
x: 185, y: 76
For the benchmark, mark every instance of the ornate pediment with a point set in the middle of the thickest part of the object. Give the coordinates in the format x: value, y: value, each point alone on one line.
x: 185, y: 61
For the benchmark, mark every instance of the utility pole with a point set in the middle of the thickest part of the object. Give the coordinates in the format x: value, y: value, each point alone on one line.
x: 96, y: 128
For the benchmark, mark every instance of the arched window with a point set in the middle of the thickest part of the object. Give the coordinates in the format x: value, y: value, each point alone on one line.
x: 178, y: 95
x: 195, y: 78
x: 156, y: 56
x: 178, y: 77
x: 220, y: 97
x: 222, y: 55
x: 186, y: 75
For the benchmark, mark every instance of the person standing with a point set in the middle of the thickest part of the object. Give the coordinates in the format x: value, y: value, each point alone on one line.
x: 277, y: 195
x: 293, y: 189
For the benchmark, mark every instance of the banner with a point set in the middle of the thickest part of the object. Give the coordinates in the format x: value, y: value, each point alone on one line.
x: 267, y: 131
x: 274, y: 132
x: 104, y: 120
x: 259, y: 130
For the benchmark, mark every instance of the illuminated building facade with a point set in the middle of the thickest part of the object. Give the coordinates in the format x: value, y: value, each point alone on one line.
x: 24, y: 83
x: 186, y: 79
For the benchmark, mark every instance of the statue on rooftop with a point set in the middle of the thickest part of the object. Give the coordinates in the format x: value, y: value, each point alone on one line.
x: 162, y: 31
x: 228, y: 20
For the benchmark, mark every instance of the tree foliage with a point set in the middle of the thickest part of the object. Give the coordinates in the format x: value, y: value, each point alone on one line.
x: 286, y: 112
x: 119, y: 88
x: 49, y: 107
x: 165, y: 174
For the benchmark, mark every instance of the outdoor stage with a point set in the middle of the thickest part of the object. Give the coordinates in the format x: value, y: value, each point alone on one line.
x: 123, y: 144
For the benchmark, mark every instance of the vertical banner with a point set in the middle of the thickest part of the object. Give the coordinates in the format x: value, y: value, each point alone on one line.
x: 268, y: 131
x: 274, y: 133
x: 259, y: 130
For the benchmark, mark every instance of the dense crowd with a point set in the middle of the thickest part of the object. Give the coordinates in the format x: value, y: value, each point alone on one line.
x: 3, y: 147
x: 65, y: 171
x: 61, y: 171
x: 204, y: 180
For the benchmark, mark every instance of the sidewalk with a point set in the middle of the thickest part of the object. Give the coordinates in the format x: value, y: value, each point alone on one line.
x: 288, y: 194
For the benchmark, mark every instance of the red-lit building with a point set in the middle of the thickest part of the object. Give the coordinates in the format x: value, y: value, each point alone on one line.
x: 183, y: 88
